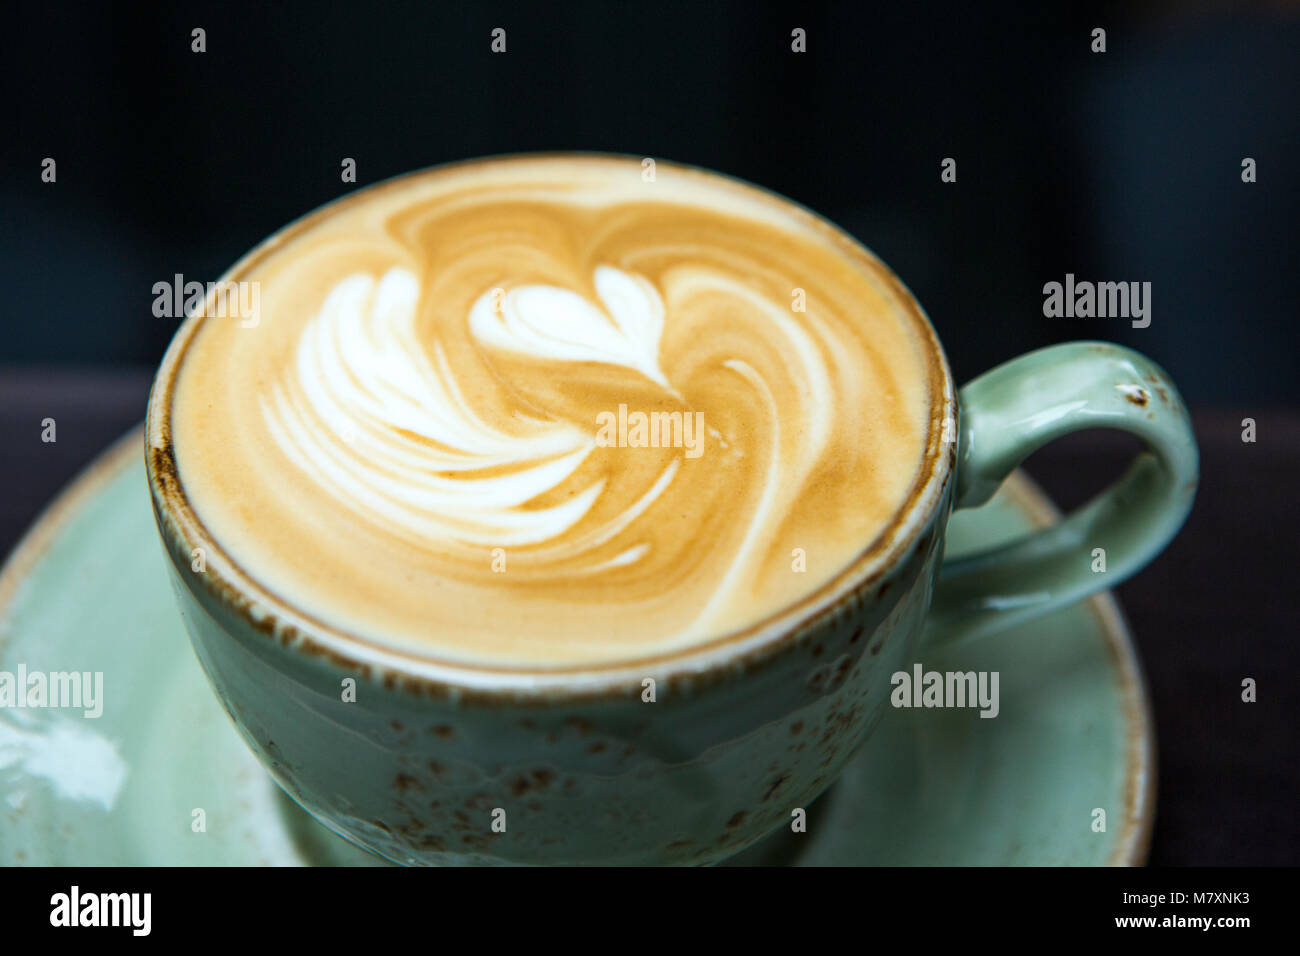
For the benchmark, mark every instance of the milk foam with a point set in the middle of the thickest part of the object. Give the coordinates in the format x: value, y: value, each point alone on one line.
x: 406, y: 445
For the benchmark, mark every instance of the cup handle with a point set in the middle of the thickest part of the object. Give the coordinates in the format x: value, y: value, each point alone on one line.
x: 1008, y: 413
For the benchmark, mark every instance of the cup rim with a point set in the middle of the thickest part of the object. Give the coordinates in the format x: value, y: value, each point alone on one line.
x: 424, y: 674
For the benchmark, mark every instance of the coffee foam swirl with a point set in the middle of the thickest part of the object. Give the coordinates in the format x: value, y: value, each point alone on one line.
x: 384, y: 428
x: 559, y: 325
x: 409, y: 444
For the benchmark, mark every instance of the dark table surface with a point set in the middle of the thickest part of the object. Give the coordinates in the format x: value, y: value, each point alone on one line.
x: 1217, y: 607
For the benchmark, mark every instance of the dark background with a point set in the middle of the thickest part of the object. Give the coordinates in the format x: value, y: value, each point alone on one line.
x: 1119, y: 166
x: 1122, y: 166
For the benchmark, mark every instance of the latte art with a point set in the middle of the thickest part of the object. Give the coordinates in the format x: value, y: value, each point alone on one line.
x: 384, y: 428
x: 546, y: 322
x: 538, y: 412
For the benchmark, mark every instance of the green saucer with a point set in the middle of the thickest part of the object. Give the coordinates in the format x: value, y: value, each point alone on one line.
x: 86, y: 591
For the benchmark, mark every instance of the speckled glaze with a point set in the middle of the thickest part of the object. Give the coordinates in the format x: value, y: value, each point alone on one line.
x: 414, y: 771
x: 743, y: 731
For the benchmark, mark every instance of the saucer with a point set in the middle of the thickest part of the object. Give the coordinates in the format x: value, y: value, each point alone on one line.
x: 162, y: 778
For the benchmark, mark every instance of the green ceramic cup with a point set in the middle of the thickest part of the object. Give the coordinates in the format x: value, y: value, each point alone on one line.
x: 429, y: 762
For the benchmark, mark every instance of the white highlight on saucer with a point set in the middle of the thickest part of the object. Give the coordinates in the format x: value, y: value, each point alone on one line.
x: 78, y: 763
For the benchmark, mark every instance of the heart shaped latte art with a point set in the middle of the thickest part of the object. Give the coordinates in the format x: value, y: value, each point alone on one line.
x: 547, y: 322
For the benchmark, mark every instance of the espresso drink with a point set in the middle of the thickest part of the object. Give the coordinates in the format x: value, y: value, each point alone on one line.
x: 541, y: 412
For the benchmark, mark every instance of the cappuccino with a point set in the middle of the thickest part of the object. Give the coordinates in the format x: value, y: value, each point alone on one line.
x: 537, y: 412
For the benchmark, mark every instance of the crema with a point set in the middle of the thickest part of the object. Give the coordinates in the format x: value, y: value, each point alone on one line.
x: 541, y: 412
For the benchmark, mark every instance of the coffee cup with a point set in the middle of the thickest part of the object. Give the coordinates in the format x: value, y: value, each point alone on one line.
x: 548, y: 513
